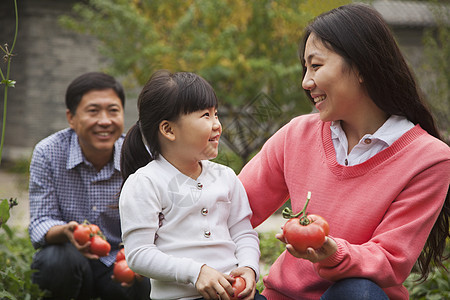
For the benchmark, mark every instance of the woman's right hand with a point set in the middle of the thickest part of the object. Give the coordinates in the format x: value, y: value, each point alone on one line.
x: 212, y: 284
x: 311, y: 254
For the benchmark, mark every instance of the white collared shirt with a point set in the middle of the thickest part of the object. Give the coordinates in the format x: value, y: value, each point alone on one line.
x: 370, y: 144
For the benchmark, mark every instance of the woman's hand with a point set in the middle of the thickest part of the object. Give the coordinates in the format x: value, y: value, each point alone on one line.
x: 212, y: 284
x: 314, y: 256
x: 249, y: 276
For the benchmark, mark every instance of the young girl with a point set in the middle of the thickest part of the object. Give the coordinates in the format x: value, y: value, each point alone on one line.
x: 185, y: 220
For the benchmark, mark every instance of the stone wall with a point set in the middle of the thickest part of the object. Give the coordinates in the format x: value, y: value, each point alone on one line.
x: 48, y: 57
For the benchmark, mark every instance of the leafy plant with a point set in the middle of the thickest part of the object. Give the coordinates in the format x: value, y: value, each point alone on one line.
x: 6, y: 204
x: 16, y: 253
x: 437, y: 285
x: 270, y: 248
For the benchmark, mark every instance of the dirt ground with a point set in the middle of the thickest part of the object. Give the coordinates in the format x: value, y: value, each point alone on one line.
x: 16, y: 186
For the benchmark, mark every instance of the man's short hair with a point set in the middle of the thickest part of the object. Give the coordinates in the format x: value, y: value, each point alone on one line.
x: 90, y: 82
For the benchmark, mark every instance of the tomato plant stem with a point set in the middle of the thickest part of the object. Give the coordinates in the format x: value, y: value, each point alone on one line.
x: 304, y: 218
x: 287, y: 212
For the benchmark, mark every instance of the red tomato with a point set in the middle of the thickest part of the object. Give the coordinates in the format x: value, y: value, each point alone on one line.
x: 120, y: 255
x: 99, y: 246
x: 303, y: 236
x: 82, y: 234
x: 122, y: 272
x: 318, y: 220
x: 238, y: 286
x: 94, y: 228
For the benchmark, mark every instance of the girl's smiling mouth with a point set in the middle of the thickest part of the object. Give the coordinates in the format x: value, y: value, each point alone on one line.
x: 215, y: 138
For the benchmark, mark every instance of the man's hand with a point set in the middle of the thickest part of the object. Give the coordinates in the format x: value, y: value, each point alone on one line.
x: 64, y: 233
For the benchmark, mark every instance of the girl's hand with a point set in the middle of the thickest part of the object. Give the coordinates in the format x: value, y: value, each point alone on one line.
x: 212, y: 284
x: 314, y: 256
x: 250, y: 282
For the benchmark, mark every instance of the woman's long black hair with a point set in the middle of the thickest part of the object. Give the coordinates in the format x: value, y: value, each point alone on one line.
x: 358, y: 33
x: 164, y: 97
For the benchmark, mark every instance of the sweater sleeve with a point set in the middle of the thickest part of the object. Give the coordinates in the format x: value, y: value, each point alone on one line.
x: 139, y: 214
x: 263, y: 178
x: 388, y: 257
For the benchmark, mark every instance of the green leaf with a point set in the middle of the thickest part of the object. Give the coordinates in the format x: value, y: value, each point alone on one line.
x: 6, y: 295
x: 8, y: 82
x: 4, y: 211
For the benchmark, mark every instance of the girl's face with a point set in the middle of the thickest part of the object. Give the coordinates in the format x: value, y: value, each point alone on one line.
x: 197, y: 134
x: 334, y: 86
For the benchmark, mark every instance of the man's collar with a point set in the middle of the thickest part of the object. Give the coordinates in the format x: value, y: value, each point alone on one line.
x: 117, y: 150
x: 76, y: 156
x: 75, y: 153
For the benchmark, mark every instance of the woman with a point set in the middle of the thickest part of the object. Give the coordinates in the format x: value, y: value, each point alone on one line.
x: 372, y: 158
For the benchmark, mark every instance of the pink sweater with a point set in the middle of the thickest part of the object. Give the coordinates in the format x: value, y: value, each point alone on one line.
x: 380, y: 212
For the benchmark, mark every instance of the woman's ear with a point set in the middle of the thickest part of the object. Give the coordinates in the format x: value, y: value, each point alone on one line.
x: 360, y: 78
x: 166, y: 130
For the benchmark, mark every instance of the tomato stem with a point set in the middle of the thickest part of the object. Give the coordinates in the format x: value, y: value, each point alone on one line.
x: 304, y: 218
x: 287, y: 212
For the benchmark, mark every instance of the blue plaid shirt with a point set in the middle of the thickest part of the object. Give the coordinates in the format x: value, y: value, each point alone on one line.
x: 65, y: 187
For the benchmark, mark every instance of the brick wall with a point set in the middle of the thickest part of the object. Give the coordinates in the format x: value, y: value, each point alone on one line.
x: 48, y: 57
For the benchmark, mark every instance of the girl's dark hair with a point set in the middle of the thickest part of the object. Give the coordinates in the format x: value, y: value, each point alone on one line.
x: 165, y: 96
x: 89, y: 82
x: 358, y: 33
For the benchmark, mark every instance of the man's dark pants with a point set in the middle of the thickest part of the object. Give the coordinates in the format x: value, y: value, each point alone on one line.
x: 64, y: 271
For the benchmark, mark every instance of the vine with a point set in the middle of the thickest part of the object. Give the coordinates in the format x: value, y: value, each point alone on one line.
x: 7, y: 204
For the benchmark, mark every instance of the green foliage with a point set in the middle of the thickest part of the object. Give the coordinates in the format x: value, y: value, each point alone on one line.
x: 437, y: 285
x: 16, y: 253
x: 5, y: 206
x: 437, y: 64
x: 245, y: 49
x: 270, y: 246
x: 20, y: 166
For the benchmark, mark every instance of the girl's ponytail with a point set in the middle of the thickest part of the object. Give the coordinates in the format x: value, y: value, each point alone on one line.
x: 134, y: 154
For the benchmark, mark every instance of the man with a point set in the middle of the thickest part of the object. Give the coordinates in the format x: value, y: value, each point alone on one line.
x: 75, y: 176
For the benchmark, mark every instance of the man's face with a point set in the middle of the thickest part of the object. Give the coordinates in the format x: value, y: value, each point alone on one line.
x: 98, y: 122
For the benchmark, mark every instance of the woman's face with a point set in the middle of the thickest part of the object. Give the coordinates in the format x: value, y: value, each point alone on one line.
x: 334, y: 85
